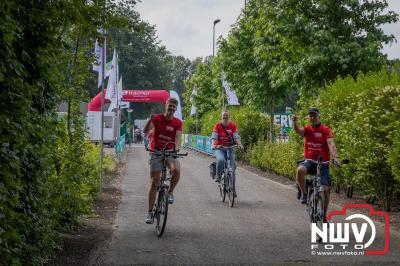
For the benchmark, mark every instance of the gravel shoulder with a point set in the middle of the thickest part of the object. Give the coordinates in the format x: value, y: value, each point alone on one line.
x: 80, y: 246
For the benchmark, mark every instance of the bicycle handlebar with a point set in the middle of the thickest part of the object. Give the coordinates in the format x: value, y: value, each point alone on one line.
x: 345, y: 161
x: 226, y: 147
x: 172, y: 153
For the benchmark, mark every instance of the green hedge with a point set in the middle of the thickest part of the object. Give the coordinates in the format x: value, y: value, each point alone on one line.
x: 189, y: 125
x: 252, y: 125
x: 278, y: 157
x: 365, y: 118
x: 32, y: 210
x: 49, y: 174
x: 365, y: 115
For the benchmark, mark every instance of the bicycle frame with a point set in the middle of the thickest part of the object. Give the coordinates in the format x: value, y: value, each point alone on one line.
x: 161, y: 203
x: 227, y: 164
x: 165, y: 154
x: 227, y: 184
x: 316, y: 193
x: 163, y: 178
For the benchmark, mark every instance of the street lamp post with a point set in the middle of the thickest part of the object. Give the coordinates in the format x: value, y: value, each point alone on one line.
x: 215, y: 22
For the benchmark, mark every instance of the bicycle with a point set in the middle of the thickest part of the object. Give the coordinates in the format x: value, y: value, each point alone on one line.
x: 315, y: 194
x: 228, y: 179
x: 160, y: 209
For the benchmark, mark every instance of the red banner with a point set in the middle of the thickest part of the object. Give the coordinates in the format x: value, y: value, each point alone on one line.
x: 136, y: 96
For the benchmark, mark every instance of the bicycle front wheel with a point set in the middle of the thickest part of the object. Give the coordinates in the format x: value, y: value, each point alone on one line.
x: 231, y: 190
x: 161, y: 211
x: 319, y: 211
x: 222, y: 188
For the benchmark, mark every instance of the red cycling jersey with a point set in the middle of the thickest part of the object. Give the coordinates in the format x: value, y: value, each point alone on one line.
x: 315, y: 142
x: 164, y: 131
x: 223, y: 138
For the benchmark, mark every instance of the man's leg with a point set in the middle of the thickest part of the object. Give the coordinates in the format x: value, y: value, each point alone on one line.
x: 220, y: 158
x: 176, y: 173
x: 155, y: 181
x: 301, y: 178
x: 155, y: 171
x: 326, y: 182
x: 301, y: 181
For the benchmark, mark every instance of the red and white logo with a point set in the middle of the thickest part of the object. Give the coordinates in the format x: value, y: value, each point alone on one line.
x: 354, y: 231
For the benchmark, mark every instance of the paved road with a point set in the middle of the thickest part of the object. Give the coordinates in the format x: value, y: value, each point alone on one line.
x: 267, y: 224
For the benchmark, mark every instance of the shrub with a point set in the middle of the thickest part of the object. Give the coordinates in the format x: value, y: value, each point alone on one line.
x: 252, y: 125
x: 278, y: 157
x: 370, y: 139
x: 189, y: 125
x: 364, y: 115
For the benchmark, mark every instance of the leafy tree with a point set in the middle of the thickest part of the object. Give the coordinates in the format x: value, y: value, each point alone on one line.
x: 180, y: 72
x: 47, y: 173
x: 145, y: 64
x: 207, y: 81
x: 285, y: 47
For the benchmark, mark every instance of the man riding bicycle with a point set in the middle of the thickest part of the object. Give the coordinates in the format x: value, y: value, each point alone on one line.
x: 318, y: 141
x: 224, y: 135
x: 167, y: 128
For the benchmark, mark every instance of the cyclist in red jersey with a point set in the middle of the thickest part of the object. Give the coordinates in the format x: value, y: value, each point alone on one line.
x: 318, y: 141
x: 167, y: 128
x: 224, y: 134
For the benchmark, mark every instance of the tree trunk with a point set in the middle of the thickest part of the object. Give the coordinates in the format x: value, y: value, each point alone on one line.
x: 349, y: 191
x: 337, y: 187
x: 70, y: 84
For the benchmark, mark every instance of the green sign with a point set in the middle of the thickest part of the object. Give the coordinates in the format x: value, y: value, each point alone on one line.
x: 283, y: 121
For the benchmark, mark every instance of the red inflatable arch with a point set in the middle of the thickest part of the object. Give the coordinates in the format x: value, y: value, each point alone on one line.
x: 136, y: 96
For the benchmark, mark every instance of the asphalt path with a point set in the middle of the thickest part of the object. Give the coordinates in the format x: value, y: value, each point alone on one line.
x: 267, y: 224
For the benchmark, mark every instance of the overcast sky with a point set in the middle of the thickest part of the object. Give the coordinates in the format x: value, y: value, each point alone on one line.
x: 185, y: 26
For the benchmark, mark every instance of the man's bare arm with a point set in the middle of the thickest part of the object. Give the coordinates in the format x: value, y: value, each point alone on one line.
x: 299, y: 130
x: 332, y: 150
x: 149, y: 125
x: 178, y: 140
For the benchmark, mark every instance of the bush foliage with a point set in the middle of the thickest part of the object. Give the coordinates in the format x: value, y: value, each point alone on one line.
x: 365, y: 117
x: 49, y: 174
x: 252, y: 125
x: 278, y: 157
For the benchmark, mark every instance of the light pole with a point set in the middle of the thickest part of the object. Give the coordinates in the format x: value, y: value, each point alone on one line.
x: 103, y: 71
x: 215, y: 22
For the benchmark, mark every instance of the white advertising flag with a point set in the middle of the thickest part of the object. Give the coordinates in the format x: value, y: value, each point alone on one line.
x: 193, y: 110
x: 178, y: 112
x: 120, y: 90
x: 108, y: 69
x: 230, y: 94
x: 111, y: 88
x: 98, y: 55
x: 98, y: 65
